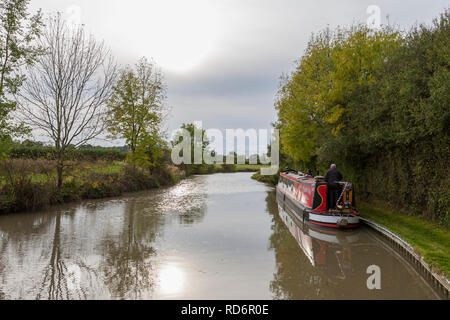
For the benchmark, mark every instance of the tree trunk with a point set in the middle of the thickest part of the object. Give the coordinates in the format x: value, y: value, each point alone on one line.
x: 60, y: 171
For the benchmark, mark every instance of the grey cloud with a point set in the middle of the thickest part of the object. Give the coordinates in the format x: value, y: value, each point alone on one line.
x: 256, y: 42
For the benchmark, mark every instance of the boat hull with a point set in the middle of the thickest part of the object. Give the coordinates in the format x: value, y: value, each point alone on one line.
x: 338, y: 220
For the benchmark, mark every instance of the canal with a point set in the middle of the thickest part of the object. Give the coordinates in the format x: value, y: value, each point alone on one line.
x: 219, y: 236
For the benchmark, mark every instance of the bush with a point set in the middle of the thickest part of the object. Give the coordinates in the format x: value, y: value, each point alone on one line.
x: 166, y: 176
x: 87, y: 154
x: 136, y: 179
x: 228, y: 168
x: 71, y: 190
x: 27, y: 196
x: 23, y: 189
x: 101, y: 189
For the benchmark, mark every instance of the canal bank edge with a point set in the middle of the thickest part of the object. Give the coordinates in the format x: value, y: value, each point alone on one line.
x: 102, y: 186
x: 439, y: 281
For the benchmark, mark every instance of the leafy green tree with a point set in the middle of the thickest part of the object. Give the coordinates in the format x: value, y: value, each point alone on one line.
x: 375, y: 103
x: 150, y: 152
x: 302, y: 101
x: 136, y: 112
x: 202, y: 144
x: 18, y: 31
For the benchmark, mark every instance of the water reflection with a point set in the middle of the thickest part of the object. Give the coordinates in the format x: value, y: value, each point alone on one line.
x: 210, y: 237
x: 126, y: 260
x: 171, y: 279
x: 319, y: 263
x: 99, y: 249
x: 187, y: 200
x: 54, y: 282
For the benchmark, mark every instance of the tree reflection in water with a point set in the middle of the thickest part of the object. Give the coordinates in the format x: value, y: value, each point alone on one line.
x: 129, y: 260
x: 129, y: 248
x: 15, y: 235
x: 99, y: 249
x: 2, y: 263
x: 54, y: 274
x: 127, y: 266
x: 60, y: 282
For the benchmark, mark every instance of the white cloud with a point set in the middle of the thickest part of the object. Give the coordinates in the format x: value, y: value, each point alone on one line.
x: 232, y: 52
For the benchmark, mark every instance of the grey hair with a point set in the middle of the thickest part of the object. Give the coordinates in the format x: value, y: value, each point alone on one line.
x: 333, y: 166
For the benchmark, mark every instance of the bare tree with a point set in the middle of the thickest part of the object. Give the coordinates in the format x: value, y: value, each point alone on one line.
x: 66, y: 90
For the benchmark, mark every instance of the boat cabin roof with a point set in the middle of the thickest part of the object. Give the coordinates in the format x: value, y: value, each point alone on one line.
x: 298, y: 177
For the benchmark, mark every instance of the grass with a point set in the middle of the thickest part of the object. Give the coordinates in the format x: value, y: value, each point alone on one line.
x: 28, y: 185
x: 76, y: 169
x: 97, y: 167
x: 249, y: 167
x: 80, y: 169
x: 272, y: 180
x: 244, y: 167
x: 428, y: 239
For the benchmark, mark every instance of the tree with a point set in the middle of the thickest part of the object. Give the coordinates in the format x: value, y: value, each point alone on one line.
x: 325, y: 98
x: 136, y: 112
x: 66, y: 90
x: 18, y: 31
x: 375, y: 103
x: 303, y: 101
x: 150, y: 152
x: 203, y: 141
x: 198, y: 142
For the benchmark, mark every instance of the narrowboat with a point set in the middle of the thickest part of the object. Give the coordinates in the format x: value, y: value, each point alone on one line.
x: 306, y: 197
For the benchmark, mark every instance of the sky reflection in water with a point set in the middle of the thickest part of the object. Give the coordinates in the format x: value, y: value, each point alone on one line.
x: 210, y: 237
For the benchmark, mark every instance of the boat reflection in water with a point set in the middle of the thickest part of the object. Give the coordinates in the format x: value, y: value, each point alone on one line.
x: 334, y: 263
x: 325, y: 248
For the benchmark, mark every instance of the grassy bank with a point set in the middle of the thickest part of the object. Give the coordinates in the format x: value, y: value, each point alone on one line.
x: 428, y: 239
x: 201, y: 169
x: 28, y: 185
x: 239, y: 167
x: 272, y: 180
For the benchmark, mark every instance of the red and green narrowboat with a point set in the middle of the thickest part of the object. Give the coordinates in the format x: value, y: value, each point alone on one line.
x: 306, y: 197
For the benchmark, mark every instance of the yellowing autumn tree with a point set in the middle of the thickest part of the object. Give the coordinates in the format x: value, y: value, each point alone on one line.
x: 136, y: 111
x: 375, y: 102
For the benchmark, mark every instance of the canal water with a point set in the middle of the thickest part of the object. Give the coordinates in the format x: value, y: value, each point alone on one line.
x: 219, y: 236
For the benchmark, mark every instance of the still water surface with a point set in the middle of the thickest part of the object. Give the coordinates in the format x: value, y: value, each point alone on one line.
x: 220, y: 236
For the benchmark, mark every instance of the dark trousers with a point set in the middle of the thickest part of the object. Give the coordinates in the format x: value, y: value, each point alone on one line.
x: 332, y: 196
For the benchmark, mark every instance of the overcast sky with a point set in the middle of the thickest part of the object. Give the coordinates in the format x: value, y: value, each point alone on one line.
x: 222, y: 59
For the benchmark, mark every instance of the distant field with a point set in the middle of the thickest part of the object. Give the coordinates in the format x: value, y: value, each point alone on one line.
x: 74, y: 169
x: 77, y: 169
